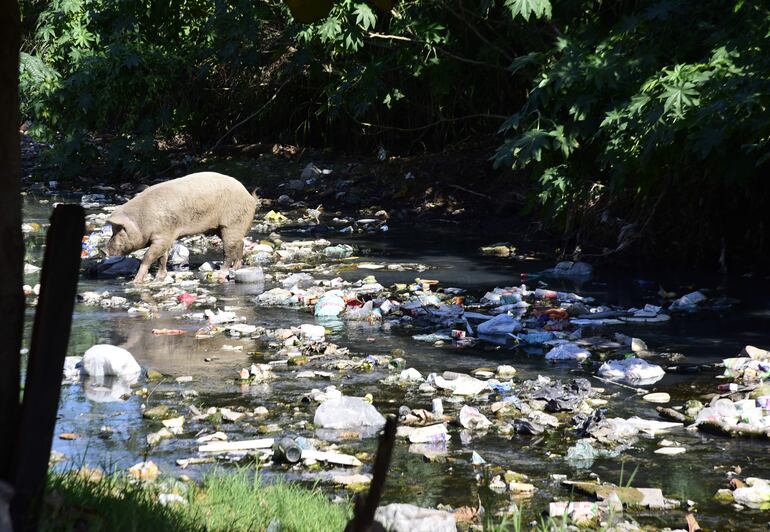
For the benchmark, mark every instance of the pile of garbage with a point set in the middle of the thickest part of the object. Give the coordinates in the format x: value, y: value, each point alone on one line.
x: 753, y: 493
x: 744, y: 407
x: 752, y: 365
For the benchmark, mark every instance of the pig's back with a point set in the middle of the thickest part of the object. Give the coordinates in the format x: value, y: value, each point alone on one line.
x: 192, y: 204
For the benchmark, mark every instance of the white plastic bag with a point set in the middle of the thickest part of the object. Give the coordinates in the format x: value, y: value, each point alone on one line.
x: 347, y: 413
x: 502, y: 324
x: 568, y: 351
x: 102, y: 359
x: 633, y: 370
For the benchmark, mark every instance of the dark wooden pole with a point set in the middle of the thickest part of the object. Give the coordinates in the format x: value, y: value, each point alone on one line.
x: 365, y: 507
x: 11, y: 241
x: 50, y: 337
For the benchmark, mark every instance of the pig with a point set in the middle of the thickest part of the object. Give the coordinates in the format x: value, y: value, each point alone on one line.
x: 204, y: 202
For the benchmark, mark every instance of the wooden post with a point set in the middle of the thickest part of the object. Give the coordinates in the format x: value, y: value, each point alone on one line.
x: 50, y: 337
x: 11, y: 241
x: 363, y: 513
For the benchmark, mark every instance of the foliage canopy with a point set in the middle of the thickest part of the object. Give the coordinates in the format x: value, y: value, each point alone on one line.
x: 627, y: 106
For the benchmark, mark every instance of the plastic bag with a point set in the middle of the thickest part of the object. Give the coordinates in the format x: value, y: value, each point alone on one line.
x: 329, y: 306
x: 249, y: 275
x: 314, y: 333
x: 471, y: 418
x: 633, y: 370
x: 568, y: 351
x: 459, y: 385
x: 347, y: 413
x: 688, y: 302
x: 179, y: 255
x: 570, y: 269
x: 502, y: 324
x: 364, y: 312
x: 113, y: 267
x: 103, y: 359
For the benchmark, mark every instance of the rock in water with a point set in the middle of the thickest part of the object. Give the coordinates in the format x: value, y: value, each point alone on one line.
x: 102, y: 359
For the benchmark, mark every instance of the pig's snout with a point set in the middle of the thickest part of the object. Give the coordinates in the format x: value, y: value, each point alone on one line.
x: 111, y: 249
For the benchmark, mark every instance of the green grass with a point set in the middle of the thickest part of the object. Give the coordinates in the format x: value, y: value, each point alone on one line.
x: 233, y: 502
x: 241, y: 502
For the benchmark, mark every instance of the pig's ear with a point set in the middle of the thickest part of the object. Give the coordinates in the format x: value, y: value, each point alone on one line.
x: 118, y: 221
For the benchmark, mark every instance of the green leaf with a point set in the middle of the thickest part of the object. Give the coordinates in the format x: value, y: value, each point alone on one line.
x: 526, y: 8
x: 638, y: 101
x: 562, y: 141
x: 365, y: 17
x: 392, y: 97
x: 612, y: 117
x: 330, y: 30
x: 35, y: 68
x: 522, y: 61
x: 353, y: 42
x: 679, y: 98
x: 528, y: 146
x: 511, y: 123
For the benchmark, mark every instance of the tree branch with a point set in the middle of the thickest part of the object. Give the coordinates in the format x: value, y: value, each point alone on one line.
x: 401, y: 38
x: 475, y: 30
x: 437, y: 122
x: 252, y: 115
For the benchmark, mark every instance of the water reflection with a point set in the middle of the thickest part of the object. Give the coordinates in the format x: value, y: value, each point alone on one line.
x: 108, y: 389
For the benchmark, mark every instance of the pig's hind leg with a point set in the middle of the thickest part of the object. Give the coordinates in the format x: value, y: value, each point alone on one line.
x: 232, y: 241
x: 162, y: 267
x: 154, y: 252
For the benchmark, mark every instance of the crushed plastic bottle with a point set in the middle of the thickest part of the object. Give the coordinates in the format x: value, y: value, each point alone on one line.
x: 339, y: 251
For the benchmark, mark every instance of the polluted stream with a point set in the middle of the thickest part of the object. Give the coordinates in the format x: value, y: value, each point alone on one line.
x: 192, y: 369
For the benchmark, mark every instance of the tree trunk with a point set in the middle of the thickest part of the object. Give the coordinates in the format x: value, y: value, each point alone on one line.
x: 11, y: 242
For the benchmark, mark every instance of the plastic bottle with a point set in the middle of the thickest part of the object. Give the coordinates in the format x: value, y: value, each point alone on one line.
x: 287, y: 450
x: 338, y: 252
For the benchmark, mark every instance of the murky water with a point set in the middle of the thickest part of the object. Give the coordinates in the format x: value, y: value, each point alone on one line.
x: 453, y: 254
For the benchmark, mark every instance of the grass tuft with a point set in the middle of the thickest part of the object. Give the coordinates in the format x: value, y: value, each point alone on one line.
x: 237, y: 501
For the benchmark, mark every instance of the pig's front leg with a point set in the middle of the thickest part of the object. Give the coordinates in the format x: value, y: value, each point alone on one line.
x: 155, y: 251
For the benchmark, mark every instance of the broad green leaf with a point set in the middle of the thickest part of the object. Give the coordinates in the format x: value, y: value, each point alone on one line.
x: 527, y: 8
x: 529, y: 146
x: 511, y: 123
x: 612, y: 117
x: 365, y: 17
x: 562, y: 141
x: 522, y: 61
x: 330, y: 30
x: 638, y: 102
x: 679, y: 98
